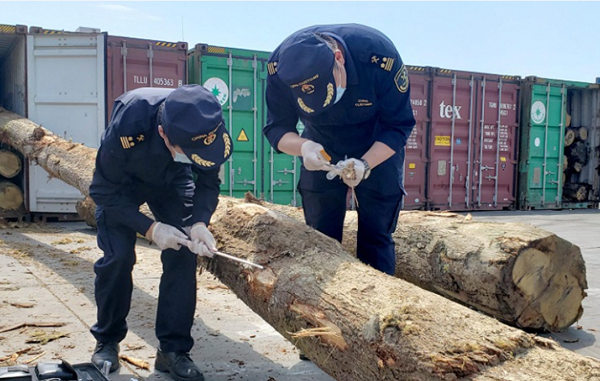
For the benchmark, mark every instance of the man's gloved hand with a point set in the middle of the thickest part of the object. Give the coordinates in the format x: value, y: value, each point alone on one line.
x: 312, y: 158
x: 203, y: 242
x: 352, y: 171
x: 166, y: 236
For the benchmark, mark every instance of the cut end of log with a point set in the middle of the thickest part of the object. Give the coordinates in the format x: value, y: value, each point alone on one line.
x: 552, y: 293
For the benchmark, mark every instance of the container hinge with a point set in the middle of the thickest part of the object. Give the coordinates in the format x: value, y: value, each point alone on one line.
x: 286, y: 171
x: 279, y: 182
x: 245, y: 182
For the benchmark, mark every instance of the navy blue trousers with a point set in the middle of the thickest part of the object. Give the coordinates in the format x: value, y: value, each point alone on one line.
x: 114, y: 283
x: 377, y: 219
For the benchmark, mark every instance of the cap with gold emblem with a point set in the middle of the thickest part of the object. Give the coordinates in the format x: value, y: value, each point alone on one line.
x: 192, y: 119
x: 306, y: 66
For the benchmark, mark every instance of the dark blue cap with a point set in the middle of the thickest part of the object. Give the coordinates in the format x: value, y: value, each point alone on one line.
x: 192, y: 119
x: 306, y: 66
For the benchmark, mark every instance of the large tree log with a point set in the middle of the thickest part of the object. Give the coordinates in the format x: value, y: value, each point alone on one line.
x: 524, y: 276
x: 359, y: 324
x: 353, y: 321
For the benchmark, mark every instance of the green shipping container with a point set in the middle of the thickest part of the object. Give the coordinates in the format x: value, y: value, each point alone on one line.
x: 556, y: 171
x: 237, y: 77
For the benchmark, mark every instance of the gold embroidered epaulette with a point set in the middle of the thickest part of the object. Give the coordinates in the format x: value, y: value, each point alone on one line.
x: 130, y: 141
x: 272, y: 67
x: 385, y: 63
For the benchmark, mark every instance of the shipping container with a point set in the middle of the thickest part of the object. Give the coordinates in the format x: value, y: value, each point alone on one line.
x: 415, y: 164
x: 66, y: 95
x: 558, y: 166
x: 237, y: 77
x: 132, y: 63
x: 13, y: 97
x: 473, y: 136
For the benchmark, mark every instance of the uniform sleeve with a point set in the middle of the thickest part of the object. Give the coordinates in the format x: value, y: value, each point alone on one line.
x: 109, y: 181
x: 206, y: 195
x: 396, y: 119
x: 281, y: 112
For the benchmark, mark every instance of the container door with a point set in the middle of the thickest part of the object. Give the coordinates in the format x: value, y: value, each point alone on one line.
x: 545, y: 147
x: 236, y: 84
x: 134, y: 63
x: 283, y: 173
x: 450, y: 148
x: 415, y: 174
x: 495, y: 145
x: 65, y: 95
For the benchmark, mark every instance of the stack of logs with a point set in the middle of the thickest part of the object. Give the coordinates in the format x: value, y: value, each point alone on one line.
x: 11, y: 192
x: 576, y: 157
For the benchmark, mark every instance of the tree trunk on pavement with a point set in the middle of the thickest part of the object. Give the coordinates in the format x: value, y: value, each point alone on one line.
x: 354, y: 322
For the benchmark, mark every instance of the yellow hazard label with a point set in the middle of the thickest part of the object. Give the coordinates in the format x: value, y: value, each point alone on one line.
x: 242, y: 137
x: 502, y: 158
x: 442, y: 141
x: 412, y: 165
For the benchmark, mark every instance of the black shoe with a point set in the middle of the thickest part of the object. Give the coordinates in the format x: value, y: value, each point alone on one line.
x: 179, y: 364
x: 106, y: 352
x: 302, y: 356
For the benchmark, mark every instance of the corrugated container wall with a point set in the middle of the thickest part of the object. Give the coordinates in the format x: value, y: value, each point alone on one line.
x: 472, y: 141
x: 558, y: 166
x: 237, y: 77
x: 415, y: 164
x: 13, y: 97
x: 65, y: 90
x: 132, y: 63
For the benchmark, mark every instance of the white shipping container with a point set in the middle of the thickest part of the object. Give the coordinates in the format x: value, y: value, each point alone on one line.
x: 66, y: 95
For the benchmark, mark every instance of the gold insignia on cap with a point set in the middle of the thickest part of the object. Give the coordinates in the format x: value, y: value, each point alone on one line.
x: 127, y: 142
x: 304, y: 107
x: 227, y: 145
x: 209, y: 139
x: 201, y: 162
x: 207, y: 136
x: 329, y: 94
x: 272, y: 68
x: 308, y: 89
x: 401, y: 79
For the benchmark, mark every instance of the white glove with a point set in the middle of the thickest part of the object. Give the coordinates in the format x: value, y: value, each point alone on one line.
x: 312, y: 158
x: 203, y: 242
x: 167, y: 237
x: 352, y: 171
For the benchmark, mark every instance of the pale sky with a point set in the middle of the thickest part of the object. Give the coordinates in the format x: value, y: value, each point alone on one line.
x: 549, y: 39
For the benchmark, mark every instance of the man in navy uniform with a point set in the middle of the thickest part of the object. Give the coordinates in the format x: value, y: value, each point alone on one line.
x: 349, y: 87
x: 155, y: 140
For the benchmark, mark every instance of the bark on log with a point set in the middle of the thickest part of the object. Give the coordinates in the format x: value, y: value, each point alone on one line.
x: 11, y: 196
x: 577, y: 153
x: 70, y: 162
x: 353, y: 321
x: 520, y: 274
x: 10, y: 164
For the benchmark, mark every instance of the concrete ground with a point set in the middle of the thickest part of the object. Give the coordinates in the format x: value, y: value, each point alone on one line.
x: 46, y: 276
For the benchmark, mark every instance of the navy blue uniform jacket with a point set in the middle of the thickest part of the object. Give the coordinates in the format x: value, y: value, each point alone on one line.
x: 375, y: 107
x: 133, y: 162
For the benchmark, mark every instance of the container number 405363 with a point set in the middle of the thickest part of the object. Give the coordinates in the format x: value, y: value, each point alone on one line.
x: 164, y: 81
